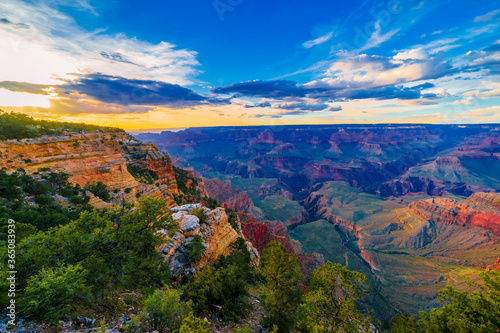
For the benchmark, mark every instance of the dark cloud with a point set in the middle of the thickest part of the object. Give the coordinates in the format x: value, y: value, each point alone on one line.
x: 123, y: 91
x: 311, y: 107
x: 287, y: 89
x: 258, y: 105
x: 271, y: 89
x: 117, y: 57
x: 26, y: 87
x: 390, y: 92
x: 6, y: 21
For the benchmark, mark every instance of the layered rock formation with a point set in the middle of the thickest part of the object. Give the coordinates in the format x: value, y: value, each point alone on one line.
x: 94, y: 157
x: 86, y: 157
x: 217, y: 235
x: 481, y: 210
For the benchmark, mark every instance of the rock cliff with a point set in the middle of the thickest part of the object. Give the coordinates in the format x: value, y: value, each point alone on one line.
x: 104, y: 157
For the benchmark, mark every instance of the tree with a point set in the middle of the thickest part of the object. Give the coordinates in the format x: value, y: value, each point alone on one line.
x: 282, y: 273
x: 330, y: 305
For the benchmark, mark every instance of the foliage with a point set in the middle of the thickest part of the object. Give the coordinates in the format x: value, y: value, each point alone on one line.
x: 330, y: 305
x: 404, y: 323
x: 115, y: 248
x: 142, y: 174
x: 260, y: 236
x: 163, y: 311
x: 9, y: 186
x: 52, y: 293
x: 462, y: 311
x: 191, y: 324
x: 219, y: 291
x: 282, y: 274
x: 239, y: 257
x: 99, y: 189
x: 18, y: 126
x: 200, y: 214
x: 232, y: 218
x: 195, y: 249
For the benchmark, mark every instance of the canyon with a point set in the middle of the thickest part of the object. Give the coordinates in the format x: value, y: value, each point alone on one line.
x: 413, y: 207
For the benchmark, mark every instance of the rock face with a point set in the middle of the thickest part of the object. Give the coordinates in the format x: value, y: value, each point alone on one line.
x: 148, y: 156
x: 95, y: 157
x: 481, y: 210
x: 217, y: 235
x: 86, y: 157
x: 223, y: 193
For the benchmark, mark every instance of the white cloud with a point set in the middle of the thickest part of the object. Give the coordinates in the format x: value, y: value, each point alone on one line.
x: 365, y: 71
x: 377, y: 38
x: 488, y: 16
x: 319, y: 40
x: 53, y: 45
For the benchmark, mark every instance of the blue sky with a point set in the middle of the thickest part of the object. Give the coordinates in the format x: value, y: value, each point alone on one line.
x: 175, y: 63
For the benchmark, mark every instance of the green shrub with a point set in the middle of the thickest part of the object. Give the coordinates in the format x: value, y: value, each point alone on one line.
x: 53, y: 293
x: 163, y: 311
x: 219, y: 291
x: 43, y: 199
x: 192, y: 324
x: 99, y: 189
x: 200, y: 214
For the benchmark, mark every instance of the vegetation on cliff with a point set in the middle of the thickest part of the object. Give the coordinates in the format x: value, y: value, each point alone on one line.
x: 19, y: 126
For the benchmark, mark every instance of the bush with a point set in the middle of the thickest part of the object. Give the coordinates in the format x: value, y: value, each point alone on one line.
x: 43, y: 199
x: 222, y: 292
x: 53, y: 293
x: 163, y: 311
x: 200, y: 214
x: 99, y: 189
x: 192, y: 324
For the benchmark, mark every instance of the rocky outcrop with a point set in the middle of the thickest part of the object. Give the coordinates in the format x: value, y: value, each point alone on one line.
x: 217, y: 235
x: 481, y: 210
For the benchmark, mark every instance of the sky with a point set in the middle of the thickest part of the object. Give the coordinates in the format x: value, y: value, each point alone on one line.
x: 190, y: 63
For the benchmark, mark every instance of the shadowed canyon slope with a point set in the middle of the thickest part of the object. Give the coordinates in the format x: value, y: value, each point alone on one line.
x: 413, y: 207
